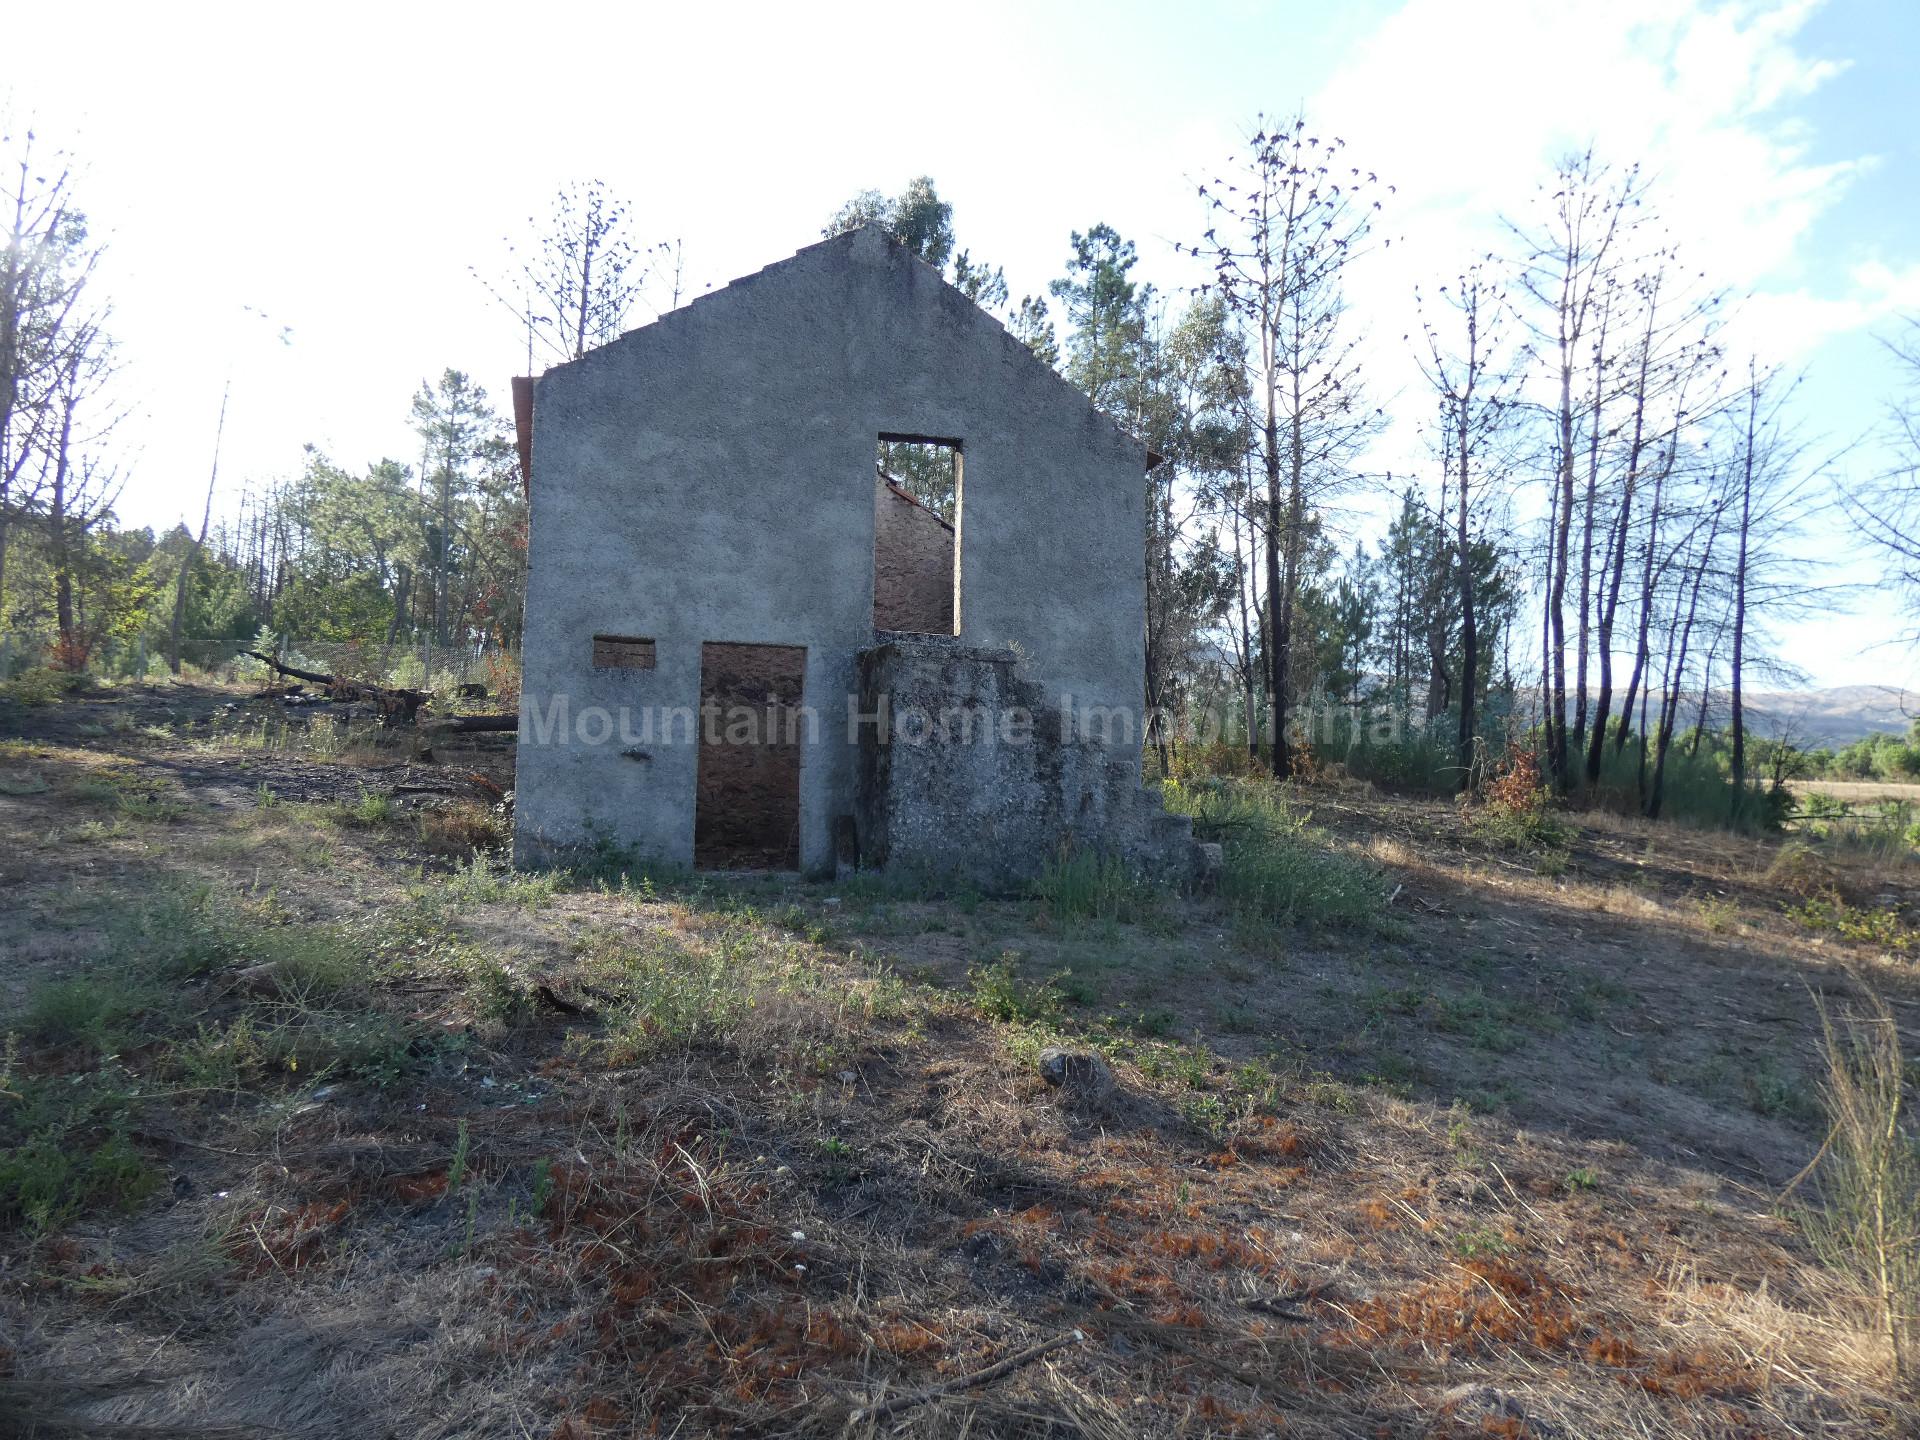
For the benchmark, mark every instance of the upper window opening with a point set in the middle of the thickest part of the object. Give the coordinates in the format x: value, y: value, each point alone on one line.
x: 928, y: 470
x: 916, y: 535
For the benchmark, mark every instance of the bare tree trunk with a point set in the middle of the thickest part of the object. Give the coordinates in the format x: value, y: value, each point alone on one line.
x: 1276, y: 605
x: 1737, y: 717
x: 188, y: 560
x: 586, y: 301
x: 1546, y: 628
x: 72, y: 652
x: 1469, y: 634
x: 1706, y: 699
x: 1245, y: 639
x: 1640, y: 774
x: 1677, y: 671
x: 1290, y: 585
x: 1641, y: 654
x: 1617, y: 564
x: 1557, y: 594
x: 1586, y: 537
x: 1672, y: 676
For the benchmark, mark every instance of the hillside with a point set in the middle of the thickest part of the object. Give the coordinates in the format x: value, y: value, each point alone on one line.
x: 1832, y: 717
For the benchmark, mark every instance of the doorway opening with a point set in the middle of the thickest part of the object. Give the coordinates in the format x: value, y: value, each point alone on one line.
x: 746, y: 813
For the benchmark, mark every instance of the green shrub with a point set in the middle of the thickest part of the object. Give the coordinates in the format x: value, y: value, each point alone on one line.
x: 1397, y: 752
x: 64, y: 1150
x: 96, y: 1013
x: 1883, y: 927
x: 478, y: 881
x: 1000, y: 994
x: 1274, y: 866
x: 1886, y: 830
x: 41, y: 685
x: 49, y: 1178
x: 128, y: 795
x: 675, y: 997
x: 372, y: 808
x: 1696, y: 788
x: 1517, y: 811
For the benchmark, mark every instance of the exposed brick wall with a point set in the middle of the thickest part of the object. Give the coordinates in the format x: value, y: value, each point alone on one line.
x: 747, y: 794
x: 912, y: 565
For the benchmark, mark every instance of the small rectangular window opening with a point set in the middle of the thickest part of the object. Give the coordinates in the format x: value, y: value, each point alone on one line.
x: 622, y: 652
x: 916, y: 535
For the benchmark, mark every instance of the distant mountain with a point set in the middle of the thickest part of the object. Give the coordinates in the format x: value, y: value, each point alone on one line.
x: 1832, y: 717
x: 1813, y: 719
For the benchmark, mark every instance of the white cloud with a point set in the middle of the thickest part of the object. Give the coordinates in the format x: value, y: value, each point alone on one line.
x: 1466, y: 113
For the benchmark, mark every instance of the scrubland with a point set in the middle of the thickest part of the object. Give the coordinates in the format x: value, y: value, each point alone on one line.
x: 1432, y: 1121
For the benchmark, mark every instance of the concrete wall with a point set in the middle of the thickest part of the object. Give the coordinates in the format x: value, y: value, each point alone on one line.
x: 709, y: 477
x: 912, y: 564
x: 970, y: 772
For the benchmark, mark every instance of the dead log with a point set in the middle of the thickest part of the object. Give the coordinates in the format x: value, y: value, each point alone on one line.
x: 471, y: 724
x: 396, y: 706
x: 310, y: 676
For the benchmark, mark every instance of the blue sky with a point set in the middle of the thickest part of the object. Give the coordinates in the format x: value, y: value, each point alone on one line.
x: 341, y: 169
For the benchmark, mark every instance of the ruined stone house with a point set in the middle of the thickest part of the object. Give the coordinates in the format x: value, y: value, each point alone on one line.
x: 747, y: 646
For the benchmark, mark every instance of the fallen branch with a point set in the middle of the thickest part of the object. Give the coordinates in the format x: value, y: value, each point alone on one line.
x: 548, y: 996
x: 887, y: 1409
x: 396, y: 706
x: 312, y: 677
x: 471, y: 724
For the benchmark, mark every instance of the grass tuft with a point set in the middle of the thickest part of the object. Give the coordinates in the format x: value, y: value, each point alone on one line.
x: 1084, y: 885
x: 1276, y: 868
x: 1869, y: 1224
x: 461, y: 828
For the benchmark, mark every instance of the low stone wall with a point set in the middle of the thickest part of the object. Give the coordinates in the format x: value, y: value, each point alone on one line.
x: 966, y: 770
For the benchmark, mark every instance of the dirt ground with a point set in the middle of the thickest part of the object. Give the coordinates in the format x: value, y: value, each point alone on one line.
x: 324, y: 1124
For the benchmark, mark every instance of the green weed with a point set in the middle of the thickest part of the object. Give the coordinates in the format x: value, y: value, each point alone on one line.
x: 476, y: 881
x: 1000, y: 994
x: 64, y: 1150
x: 457, y: 1165
x: 1718, y: 913
x: 372, y: 808
x: 1275, y: 867
x: 1083, y: 885
x: 1479, y: 1241
x: 41, y: 685
x: 540, y: 1191
x: 1883, y: 927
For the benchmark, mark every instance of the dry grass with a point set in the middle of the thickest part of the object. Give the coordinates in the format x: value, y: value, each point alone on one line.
x: 1857, y: 790
x: 458, y: 828
x: 663, y: 1156
x: 1868, y: 1221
